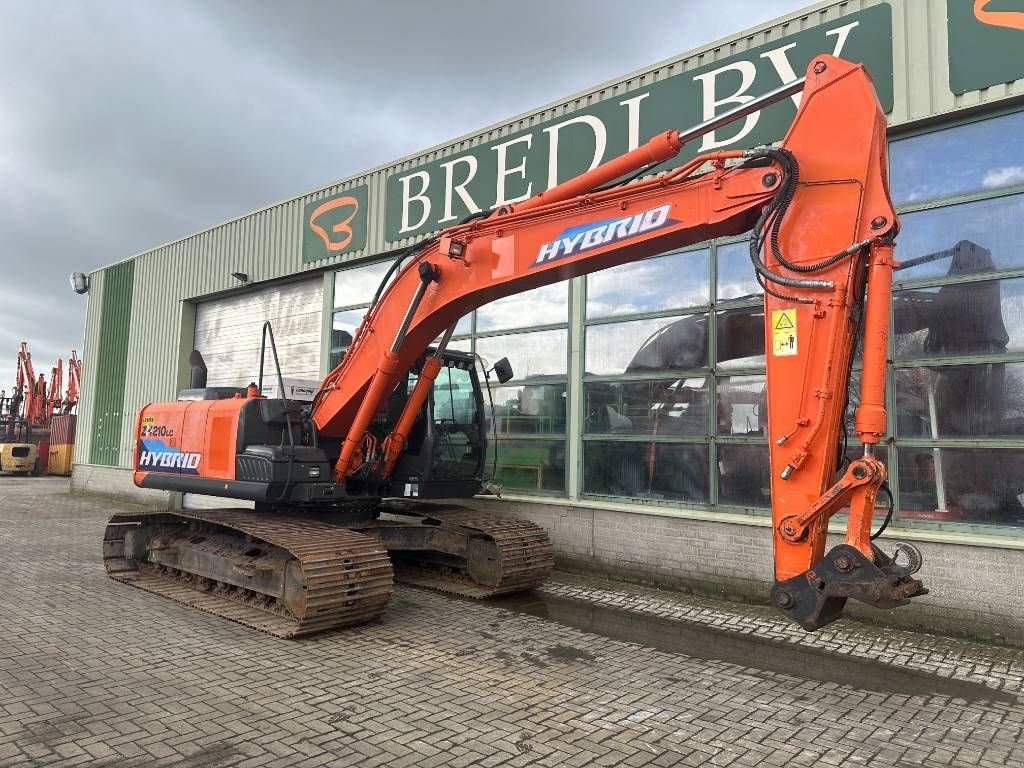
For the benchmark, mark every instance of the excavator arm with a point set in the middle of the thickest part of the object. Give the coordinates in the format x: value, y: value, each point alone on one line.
x: 55, y: 396
x: 70, y: 401
x: 31, y: 390
x: 822, y: 245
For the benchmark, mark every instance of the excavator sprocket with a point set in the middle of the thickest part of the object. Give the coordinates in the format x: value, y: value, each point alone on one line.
x: 497, y: 556
x: 284, y: 575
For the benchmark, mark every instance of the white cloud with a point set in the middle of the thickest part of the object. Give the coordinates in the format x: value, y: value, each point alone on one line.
x: 1006, y: 176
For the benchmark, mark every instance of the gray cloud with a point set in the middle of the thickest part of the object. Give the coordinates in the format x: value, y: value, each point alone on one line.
x: 127, y: 124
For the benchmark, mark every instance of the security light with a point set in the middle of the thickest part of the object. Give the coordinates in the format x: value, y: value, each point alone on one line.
x: 241, y: 277
x: 79, y: 282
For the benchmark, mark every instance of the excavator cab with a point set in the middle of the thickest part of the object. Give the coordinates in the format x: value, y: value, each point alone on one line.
x: 447, y: 445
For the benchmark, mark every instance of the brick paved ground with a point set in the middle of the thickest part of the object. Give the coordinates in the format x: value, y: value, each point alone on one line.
x: 93, y: 672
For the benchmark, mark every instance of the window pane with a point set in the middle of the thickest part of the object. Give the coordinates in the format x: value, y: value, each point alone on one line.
x: 961, y: 401
x: 669, y: 471
x: 743, y: 476
x: 987, y: 154
x: 666, y: 282
x: 533, y: 409
x: 742, y: 406
x: 358, y: 284
x: 740, y: 334
x: 546, y: 305
x: 663, y: 407
x: 529, y: 465
x: 735, y: 272
x: 454, y: 397
x: 540, y: 353
x: 662, y: 344
x: 982, y: 485
x: 980, y: 318
x: 971, y: 238
x: 462, y: 328
x: 343, y: 327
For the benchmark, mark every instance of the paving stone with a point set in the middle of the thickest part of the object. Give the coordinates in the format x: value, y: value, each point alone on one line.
x: 93, y: 672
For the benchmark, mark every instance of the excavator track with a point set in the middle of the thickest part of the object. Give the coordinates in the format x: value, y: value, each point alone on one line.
x: 505, y: 556
x: 331, y: 576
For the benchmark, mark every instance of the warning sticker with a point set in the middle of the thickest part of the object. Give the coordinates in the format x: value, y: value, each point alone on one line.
x: 783, y: 332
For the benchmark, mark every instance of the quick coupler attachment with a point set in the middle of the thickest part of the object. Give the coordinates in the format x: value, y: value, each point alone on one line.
x: 817, y: 596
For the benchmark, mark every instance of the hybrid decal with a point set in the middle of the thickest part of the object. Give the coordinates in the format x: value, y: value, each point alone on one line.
x: 585, y: 237
x: 157, y: 456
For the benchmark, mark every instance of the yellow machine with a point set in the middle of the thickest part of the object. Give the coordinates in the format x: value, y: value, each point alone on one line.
x: 19, y: 458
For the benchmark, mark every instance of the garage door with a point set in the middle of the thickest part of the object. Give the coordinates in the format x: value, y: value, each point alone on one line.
x: 228, y: 335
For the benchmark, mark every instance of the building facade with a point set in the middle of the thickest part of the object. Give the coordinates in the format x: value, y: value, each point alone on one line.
x: 634, y: 429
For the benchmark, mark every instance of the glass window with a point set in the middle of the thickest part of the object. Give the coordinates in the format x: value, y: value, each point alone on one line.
x: 740, y: 336
x: 462, y: 328
x: 973, y: 485
x: 736, y: 273
x: 528, y: 465
x: 678, y: 280
x: 540, y: 353
x: 662, y: 344
x: 358, y: 284
x: 979, y: 318
x: 454, y: 398
x: 743, y: 476
x: 964, y: 401
x: 546, y: 305
x: 343, y: 327
x: 983, y: 155
x: 742, y: 405
x: 669, y: 471
x: 961, y: 239
x: 662, y: 407
x: 529, y: 409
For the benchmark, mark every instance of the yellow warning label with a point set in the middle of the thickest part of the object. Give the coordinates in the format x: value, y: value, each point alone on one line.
x: 783, y: 332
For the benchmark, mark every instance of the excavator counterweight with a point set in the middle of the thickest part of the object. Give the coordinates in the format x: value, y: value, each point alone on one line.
x: 404, y: 421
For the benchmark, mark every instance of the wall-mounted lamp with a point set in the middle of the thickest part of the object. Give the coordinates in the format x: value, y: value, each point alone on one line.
x: 241, y: 277
x: 79, y: 282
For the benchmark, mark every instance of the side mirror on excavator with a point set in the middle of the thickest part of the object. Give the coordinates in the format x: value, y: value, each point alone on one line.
x: 503, y: 370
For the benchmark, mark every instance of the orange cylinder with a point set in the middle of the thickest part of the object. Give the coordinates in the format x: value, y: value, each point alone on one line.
x: 871, y: 420
x: 659, y: 148
x: 378, y: 391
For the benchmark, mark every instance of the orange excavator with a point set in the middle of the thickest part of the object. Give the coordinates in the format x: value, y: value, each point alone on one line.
x: 30, y: 390
x: 400, y: 420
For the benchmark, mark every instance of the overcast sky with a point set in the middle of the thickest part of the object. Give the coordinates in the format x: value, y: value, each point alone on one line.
x: 126, y: 124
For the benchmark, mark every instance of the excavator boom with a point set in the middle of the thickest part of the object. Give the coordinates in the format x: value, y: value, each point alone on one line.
x: 824, y: 228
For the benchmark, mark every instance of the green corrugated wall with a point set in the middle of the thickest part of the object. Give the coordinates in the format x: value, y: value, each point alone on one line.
x: 111, y: 363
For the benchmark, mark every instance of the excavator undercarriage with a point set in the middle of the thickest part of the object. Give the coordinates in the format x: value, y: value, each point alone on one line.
x: 294, y: 574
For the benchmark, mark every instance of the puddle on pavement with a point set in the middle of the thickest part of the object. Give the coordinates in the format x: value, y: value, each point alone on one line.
x: 762, y: 654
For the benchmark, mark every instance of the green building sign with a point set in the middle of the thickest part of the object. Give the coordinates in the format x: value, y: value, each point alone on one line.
x: 441, y: 193
x: 986, y: 43
x: 335, y: 225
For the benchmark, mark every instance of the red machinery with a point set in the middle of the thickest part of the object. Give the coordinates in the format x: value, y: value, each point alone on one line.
x: 822, y: 246
x: 29, y: 391
x: 55, y: 397
x: 70, y: 401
